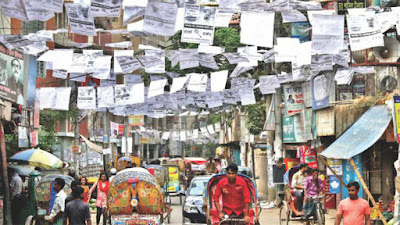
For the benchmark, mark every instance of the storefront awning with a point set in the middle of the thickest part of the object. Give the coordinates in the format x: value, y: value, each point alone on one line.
x: 361, y: 135
x: 91, y: 145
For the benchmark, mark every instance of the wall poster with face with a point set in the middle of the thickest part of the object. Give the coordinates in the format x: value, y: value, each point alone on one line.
x: 11, y: 75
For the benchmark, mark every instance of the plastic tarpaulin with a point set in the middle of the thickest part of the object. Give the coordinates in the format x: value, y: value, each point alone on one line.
x: 361, y: 135
x: 92, y: 146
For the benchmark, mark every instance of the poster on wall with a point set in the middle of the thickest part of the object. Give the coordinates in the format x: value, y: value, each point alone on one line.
x: 350, y: 175
x: 294, y: 99
x: 11, y: 75
x: 293, y: 130
x: 336, y: 165
x: 23, y: 141
x: 136, y: 120
x: 323, y: 90
x: 334, y: 185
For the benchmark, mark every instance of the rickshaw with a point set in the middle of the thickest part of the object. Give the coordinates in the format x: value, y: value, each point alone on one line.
x: 135, y: 198
x: 121, y: 162
x: 288, y: 210
x: 211, y: 211
x: 161, y: 175
x: 45, y: 195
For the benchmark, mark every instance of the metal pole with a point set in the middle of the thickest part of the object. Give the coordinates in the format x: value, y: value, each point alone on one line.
x: 278, y: 124
x: 5, y: 177
x: 106, y: 140
x: 76, y: 143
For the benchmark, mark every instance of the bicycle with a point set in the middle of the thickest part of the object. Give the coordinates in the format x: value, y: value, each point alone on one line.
x: 318, y: 212
x: 232, y: 221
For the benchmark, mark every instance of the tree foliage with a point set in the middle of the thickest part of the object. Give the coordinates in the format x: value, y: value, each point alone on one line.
x: 255, y: 117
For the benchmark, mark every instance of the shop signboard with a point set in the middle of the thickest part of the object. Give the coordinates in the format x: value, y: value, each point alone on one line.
x: 350, y: 175
x: 11, y: 75
x: 343, y: 5
x: 136, y: 120
x: 396, y: 107
x: 336, y: 165
x: 293, y: 129
x: 334, y: 185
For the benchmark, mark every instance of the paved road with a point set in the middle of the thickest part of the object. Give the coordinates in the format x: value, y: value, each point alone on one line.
x: 267, y: 217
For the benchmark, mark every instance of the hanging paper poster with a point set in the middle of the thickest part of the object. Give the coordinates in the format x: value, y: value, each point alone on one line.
x: 86, y: 98
x: 294, y: 101
x: 160, y: 17
x: 80, y: 21
x: 105, y: 8
x: 250, y: 24
x: 105, y: 97
x: 160, y: 54
x: 199, y: 24
x: 336, y: 165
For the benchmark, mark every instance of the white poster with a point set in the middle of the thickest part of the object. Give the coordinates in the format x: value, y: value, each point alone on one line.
x: 47, y: 97
x: 250, y: 24
x: 268, y: 84
x: 90, y: 57
x: 199, y: 24
x: 218, y: 80
x: 78, y: 64
x: 128, y: 64
x: 177, y: 84
x: 102, y: 67
x: 160, y: 54
x: 197, y: 82
x: 79, y: 20
x: 14, y: 9
x: 105, y: 97
x: 159, y: 18
x: 35, y: 12
x: 86, y: 98
x: 122, y: 44
x: 131, y: 13
x: 105, y: 8
x: 117, y: 67
x: 51, y: 5
x: 364, y: 31
x: 210, y: 129
x: 62, y: 99
x: 182, y: 135
x: 195, y: 134
x: 165, y: 135
x: 23, y: 137
x: 156, y: 88
x: 247, y: 96
x: 62, y: 59
x: 327, y: 34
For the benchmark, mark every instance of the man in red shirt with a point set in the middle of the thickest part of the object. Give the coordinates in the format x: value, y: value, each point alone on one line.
x: 235, y: 195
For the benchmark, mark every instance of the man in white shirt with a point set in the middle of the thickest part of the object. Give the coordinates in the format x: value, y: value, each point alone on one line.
x: 298, y: 185
x: 56, y: 215
x: 15, y: 190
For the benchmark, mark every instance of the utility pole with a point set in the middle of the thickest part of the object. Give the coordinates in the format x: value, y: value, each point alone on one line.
x: 106, y: 140
x: 278, y: 124
x: 76, y: 143
x: 7, y: 199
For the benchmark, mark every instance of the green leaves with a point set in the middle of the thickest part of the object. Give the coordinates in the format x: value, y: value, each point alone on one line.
x: 255, y: 117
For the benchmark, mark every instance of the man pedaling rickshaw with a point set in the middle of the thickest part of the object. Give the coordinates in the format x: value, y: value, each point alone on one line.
x: 298, y: 185
x: 235, y: 196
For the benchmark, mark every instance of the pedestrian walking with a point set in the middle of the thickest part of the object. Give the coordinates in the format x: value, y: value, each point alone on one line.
x: 17, y: 200
x: 77, y: 212
x: 70, y: 197
x: 102, y: 186
x: 353, y: 210
x: 85, y: 189
x: 56, y: 215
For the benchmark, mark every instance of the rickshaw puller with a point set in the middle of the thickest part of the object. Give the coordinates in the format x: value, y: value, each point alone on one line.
x: 235, y: 196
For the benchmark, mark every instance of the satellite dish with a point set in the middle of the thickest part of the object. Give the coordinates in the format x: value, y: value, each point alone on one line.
x: 389, y: 52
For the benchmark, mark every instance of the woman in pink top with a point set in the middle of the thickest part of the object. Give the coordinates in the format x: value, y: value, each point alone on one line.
x: 101, y: 201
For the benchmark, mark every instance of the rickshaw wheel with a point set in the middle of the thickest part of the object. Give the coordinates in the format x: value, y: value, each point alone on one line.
x: 30, y: 220
x: 284, y: 215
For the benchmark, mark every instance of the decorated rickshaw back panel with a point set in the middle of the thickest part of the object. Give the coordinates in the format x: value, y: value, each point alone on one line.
x: 133, y: 191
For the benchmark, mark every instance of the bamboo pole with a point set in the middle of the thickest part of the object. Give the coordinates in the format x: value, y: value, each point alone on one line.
x: 367, y: 191
x: 333, y: 171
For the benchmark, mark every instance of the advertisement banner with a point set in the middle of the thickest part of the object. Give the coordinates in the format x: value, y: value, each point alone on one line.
x: 293, y: 129
x: 136, y: 120
x: 350, y: 175
x: 334, y: 185
x: 294, y: 100
x: 396, y: 107
x: 34, y: 138
x: 11, y: 75
x: 22, y: 137
x: 336, y: 165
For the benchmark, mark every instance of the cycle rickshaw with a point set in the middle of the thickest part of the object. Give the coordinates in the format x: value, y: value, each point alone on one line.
x: 288, y: 210
x: 211, y: 211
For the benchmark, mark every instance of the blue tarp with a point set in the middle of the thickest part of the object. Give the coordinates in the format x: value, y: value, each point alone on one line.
x: 361, y: 135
